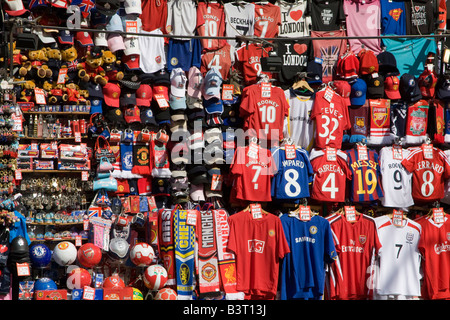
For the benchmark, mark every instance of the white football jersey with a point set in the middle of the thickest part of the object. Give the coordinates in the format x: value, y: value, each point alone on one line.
x: 240, y: 20
x: 181, y: 18
x: 395, y: 179
x: 398, y: 270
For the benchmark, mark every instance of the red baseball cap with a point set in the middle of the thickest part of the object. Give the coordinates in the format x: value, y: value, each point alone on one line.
x: 427, y: 83
x: 161, y: 93
x: 111, y: 94
x: 15, y: 7
x: 131, y: 61
x: 144, y: 95
x: 348, y: 66
x: 368, y: 62
x: 84, y: 38
x: 132, y: 114
x: 391, y: 87
x: 342, y: 88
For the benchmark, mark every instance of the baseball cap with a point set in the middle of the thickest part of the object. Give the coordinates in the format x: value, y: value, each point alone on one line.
x: 348, y: 66
x: 127, y: 98
x: 178, y: 116
x: 178, y: 125
x: 196, y: 140
x: 162, y: 115
x: 368, y: 62
x: 115, y: 115
x: 131, y: 46
x: 194, y: 89
x: 132, y: 114
x: 197, y: 174
x: 96, y: 106
x: 443, y: 88
x: 100, y: 39
x: 115, y: 42
x: 375, y: 85
x: 15, y: 8
x: 213, y: 105
x: 45, y: 37
x: 177, y: 103
x: 114, y: 23
x: 133, y: 6
x: 342, y: 88
x: 180, y: 153
x: 196, y: 192
x: 84, y: 39
x: 111, y: 94
x: 161, y: 93
x: 409, y: 88
x: 387, y: 64
x: 95, y: 90
x: 178, y: 82
x: 212, y: 83
x: 107, y: 7
x: 194, y: 103
x: 213, y: 134
x: 130, y: 81
x: 65, y: 37
x: 147, y: 116
x: 131, y: 62
x: 314, y: 71
x: 97, y: 18
x: 391, y: 87
x: 144, y: 95
x: 427, y: 83
x: 358, y: 92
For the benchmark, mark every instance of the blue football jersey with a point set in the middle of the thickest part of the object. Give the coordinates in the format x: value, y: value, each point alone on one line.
x: 293, y: 176
x: 311, y: 248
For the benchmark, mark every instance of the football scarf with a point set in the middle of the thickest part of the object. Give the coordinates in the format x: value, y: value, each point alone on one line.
x: 165, y: 243
x: 227, y: 265
x: 126, y: 155
x: 184, y: 239
x: 416, y: 122
x: 380, y: 124
x: 141, y: 159
x: 207, y: 251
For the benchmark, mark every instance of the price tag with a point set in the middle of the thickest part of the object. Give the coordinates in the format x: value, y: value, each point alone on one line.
x: 253, y: 150
x: 98, y: 283
x: 23, y: 269
x: 39, y: 96
x: 266, y: 90
x: 256, y: 211
x: 328, y: 94
x: 397, y: 218
x: 397, y: 152
x: 77, y: 137
x: 427, y: 151
x: 62, y: 76
x: 350, y: 213
x: 84, y: 175
x: 131, y: 26
x: 88, y: 293
x: 162, y: 102
x: 17, y: 122
x: 216, y: 182
x: 438, y: 215
x: 191, y: 218
x: 305, y: 213
x: 331, y: 154
x: 227, y: 91
x: 78, y: 241
x: 85, y: 224
x: 18, y: 174
x: 290, y: 151
x: 362, y: 152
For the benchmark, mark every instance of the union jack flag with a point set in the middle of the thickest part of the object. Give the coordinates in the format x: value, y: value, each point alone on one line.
x: 85, y: 7
x: 72, y: 65
x: 37, y: 3
x: 58, y: 3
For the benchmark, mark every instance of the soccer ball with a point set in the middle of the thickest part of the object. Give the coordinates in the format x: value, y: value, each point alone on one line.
x: 65, y: 253
x: 137, y: 294
x: 166, y: 294
x: 114, y: 281
x: 142, y: 254
x: 78, y: 278
x: 155, y: 277
x: 89, y: 255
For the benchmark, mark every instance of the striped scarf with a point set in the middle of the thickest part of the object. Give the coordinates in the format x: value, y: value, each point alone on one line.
x: 165, y: 243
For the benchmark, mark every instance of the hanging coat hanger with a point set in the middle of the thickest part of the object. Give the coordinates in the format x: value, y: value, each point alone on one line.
x: 301, y: 83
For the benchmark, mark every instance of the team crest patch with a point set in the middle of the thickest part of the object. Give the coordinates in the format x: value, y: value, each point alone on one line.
x: 360, y: 121
x: 174, y: 61
x: 362, y: 239
x: 271, y: 232
x: 313, y: 230
x: 208, y: 272
x: 380, y: 116
x: 184, y: 273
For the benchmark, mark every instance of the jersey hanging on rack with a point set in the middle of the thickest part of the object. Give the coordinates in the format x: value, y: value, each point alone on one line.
x: 433, y: 247
x: 399, y: 113
x: 399, y: 260
x: 331, y: 174
x: 395, y: 179
x: 213, y: 15
x: 420, y: 17
x: 239, y: 20
x: 393, y: 17
x: 311, y: 248
x: 326, y: 15
x: 182, y: 18
x: 249, y: 58
x: 252, y: 173
x: 264, y: 113
x: 267, y: 20
x: 298, y: 125
x: 416, y: 122
x: 360, y: 123
x: 295, y: 55
x: 259, y: 245
x: 380, y: 115
x: 357, y: 245
x: 222, y: 59
x: 294, y: 173
x: 363, y: 20
x: 154, y: 15
x: 366, y: 176
x: 295, y: 18
x: 429, y: 169
x: 330, y: 113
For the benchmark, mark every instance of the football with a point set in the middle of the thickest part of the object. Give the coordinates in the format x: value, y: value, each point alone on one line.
x: 166, y: 294
x: 78, y: 278
x: 155, y: 277
x: 142, y: 254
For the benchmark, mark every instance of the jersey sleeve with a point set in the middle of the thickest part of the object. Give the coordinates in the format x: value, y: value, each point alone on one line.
x: 347, y: 125
x: 329, y: 248
x: 283, y: 246
x: 238, y: 160
x: 245, y: 108
x: 408, y: 163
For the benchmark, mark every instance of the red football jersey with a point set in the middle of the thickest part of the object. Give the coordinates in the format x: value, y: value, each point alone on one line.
x: 259, y: 245
x: 222, y: 59
x: 429, y: 175
x: 357, y: 244
x: 249, y: 58
x: 154, y: 15
x: 267, y: 20
x: 330, y: 176
x: 213, y: 15
x: 331, y: 117
x: 435, y: 250
x: 265, y: 115
x: 252, y: 176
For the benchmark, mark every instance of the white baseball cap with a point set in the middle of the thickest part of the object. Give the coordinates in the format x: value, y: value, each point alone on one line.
x: 195, y: 77
x: 100, y: 39
x: 133, y: 6
x: 178, y: 82
x: 131, y: 46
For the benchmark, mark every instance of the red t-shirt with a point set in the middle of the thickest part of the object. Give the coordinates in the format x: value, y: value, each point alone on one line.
x: 259, y: 245
x: 221, y: 59
x: 154, y: 15
x: 264, y: 115
x: 429, y: 175
x: 330, y: 176
x: 356, y: 244
x: 331, y: 119
x: 213, y: 16
x: 252, y: 177
x: 434, y: 248
x: 249, y: 58
x: 267, y: 20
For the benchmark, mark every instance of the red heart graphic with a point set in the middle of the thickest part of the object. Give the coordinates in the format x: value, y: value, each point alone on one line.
x: 300, y: 48
x: 296, y: 15
x: 3, y: 248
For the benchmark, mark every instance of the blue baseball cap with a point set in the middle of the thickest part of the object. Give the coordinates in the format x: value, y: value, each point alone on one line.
x: 358, y: 92
x: 212, y: 83
x: 213, y: 105
x: 177, y: 103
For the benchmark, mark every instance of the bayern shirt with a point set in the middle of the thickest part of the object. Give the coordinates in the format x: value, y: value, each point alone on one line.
x: 311, y: 250
x: 259, y: 245
x: 357, y: 245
